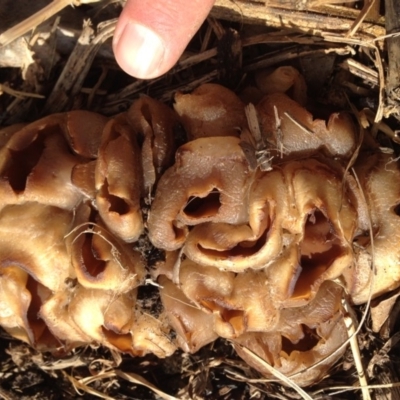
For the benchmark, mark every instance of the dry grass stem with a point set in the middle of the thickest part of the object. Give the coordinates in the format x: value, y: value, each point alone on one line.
x: 252, y: 120
x: 83, y: 388
x: 32, y: 22
x: 139, y: 380
x: 360, y: 70
x: 368, y: 5
x: 350, y: 324
x: 310, y: 22
x: 79, y: 63
x: 281, y: 377
x: 18, y: 94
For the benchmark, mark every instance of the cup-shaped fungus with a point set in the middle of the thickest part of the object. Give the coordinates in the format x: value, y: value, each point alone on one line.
x: 208, y: 182
x: 324, y: 222
x: 306, y: 342
x: 118, y: 180
x: 150, y: 335
x: 105, y: 316
x: 20, y: 302
x: 284, y: 79
x: 14, y: 302
x: 32, y: 237
x: 83, y: 130
x: 210, y: 110
x: 298, y: 227
x: 239, y: 303
x: 83, y: 178
x: 191, y: 324
x: 36, y: 165
x: 56, y: 314
x: 156, y: 124
x: 290, y: 129
x: 255, y: 244
x: 99, y: 259
x: 376, y: 270
x: 8, y: 131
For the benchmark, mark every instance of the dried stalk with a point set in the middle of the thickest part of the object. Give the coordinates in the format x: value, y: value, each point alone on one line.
x: 368, y: 6
x: 139, y: 86
x: 281, y: 377
x: 17, y: 93
x: 33, y: 21
x: 278, y: 17
x: 292, y: 53
x: 79, y: 63
x: 393, y: 48
x: 169, y: 94
x: 360, y: 70
x: 351, y: 329
x: 327, y: 7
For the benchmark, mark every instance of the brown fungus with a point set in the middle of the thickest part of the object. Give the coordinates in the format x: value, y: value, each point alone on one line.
x: 208, y: 182
x: 84, y: 129
x: 14, y: 303
x: 155, y: 124
x: 150, y: 335
x: 99, y: 259
x: 290, y: 207
x: 290, y: 130
x: 36, y: 165
x: 32, y: 238
x: 118, y: 181
x: 376, y: 269
x: 210, y: 110
x: 21, y: 300
x: 110, y: 319
x: 284, y: 79
x: 56, y: 314
x: 190, y: 323
x: 305, y: 344
x: 83, y: 178
x: 239, y: 302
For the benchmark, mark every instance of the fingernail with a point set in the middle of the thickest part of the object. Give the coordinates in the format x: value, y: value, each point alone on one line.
x: 139, y: 51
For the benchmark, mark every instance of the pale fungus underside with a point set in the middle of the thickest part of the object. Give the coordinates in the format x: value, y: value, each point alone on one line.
x: 261, y: 254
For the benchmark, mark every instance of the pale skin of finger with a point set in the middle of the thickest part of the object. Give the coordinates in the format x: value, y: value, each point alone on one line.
x: 151, y: 35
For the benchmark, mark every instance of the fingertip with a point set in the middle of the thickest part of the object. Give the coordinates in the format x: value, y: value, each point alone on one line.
x: 139, y: 51
x: 151, y: 35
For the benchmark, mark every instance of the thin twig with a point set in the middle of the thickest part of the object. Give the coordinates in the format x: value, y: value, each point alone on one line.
x: 351, y: 330
x: 368, y: 4
x: 33, y: 21
x: 18, y: 94
x: 273, y: 371
x: 278, y: 17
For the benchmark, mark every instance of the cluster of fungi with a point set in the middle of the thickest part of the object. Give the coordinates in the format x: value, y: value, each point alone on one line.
x: 264, y: 220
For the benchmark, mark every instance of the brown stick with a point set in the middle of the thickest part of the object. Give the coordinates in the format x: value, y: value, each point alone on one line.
x: 310, y: 21
x: 33, y: 21
x: 393, y: 47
